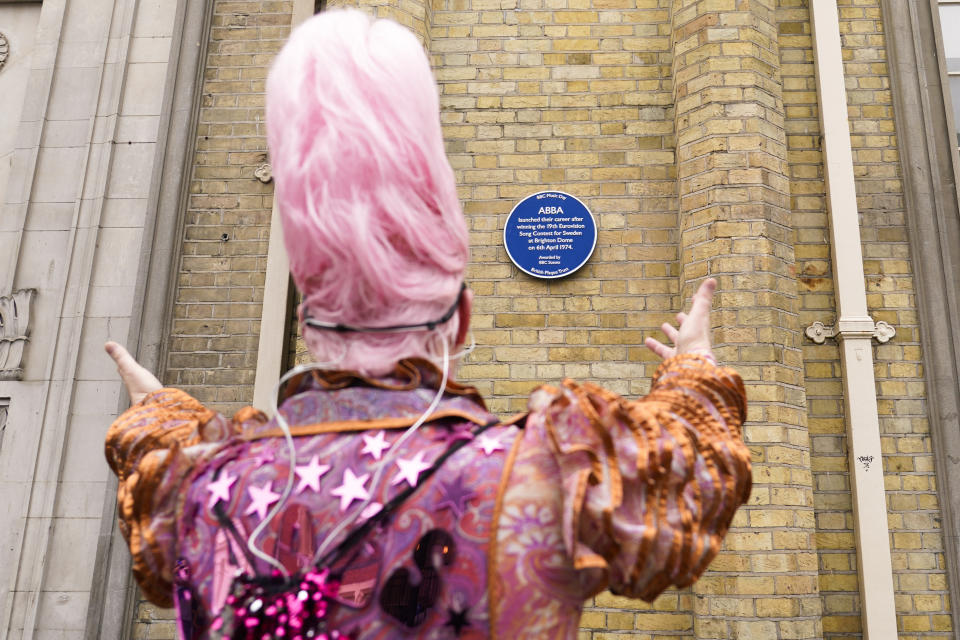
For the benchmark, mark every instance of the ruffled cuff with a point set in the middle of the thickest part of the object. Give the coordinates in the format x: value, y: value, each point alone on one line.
x: 145, y: 448
x: 650, y: 486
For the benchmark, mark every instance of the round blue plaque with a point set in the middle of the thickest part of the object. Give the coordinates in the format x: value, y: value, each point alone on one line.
x: 550, y: 234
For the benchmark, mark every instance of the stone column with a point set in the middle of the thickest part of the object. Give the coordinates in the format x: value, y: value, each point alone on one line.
x: 735, y: 225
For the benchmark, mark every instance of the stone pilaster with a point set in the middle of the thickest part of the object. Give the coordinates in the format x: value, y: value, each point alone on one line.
x: 735, y: 225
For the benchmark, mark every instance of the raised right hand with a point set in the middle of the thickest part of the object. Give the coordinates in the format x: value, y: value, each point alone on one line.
x: 694, y: 333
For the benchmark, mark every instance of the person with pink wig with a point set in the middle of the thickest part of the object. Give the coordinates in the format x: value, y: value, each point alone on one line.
x: 383, y: 500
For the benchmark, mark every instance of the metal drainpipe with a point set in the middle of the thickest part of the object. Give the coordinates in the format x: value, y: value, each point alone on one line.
x: 854, y: 330
x: 273, y: 318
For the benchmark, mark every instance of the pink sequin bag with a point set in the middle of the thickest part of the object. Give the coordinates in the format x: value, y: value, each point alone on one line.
x: 278, y: 608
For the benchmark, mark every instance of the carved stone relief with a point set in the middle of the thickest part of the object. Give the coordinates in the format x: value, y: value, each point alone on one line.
x: 4, y: 50
x: 14, y: 332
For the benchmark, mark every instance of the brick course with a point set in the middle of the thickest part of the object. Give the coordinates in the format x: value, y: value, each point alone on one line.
x: 212, y: 346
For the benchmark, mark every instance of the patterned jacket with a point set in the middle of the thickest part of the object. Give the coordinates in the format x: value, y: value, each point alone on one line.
x: 586, y: 491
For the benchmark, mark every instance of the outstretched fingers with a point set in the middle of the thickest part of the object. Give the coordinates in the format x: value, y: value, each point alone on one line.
x: 703, y: 298
x: 659, y: 348
x: 694, y: 327
x: 670, y: 331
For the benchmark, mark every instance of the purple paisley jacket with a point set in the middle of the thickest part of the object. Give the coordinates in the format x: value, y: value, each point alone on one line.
x: 585, y: 492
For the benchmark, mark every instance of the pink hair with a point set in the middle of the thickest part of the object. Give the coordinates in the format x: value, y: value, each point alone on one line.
x: 371, y: 218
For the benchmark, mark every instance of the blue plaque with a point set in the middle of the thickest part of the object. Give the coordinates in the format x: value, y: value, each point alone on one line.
x: 550, y: 234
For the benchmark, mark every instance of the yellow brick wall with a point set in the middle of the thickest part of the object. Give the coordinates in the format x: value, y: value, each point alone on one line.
x: 690, y: 128
x: 212, y: 346
x: 916, y: 538
x: 837, y: 567
x: 569, y: 99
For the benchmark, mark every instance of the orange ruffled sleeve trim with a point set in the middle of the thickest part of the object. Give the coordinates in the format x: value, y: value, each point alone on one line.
x: 650, y: 486
x: 147, y: 448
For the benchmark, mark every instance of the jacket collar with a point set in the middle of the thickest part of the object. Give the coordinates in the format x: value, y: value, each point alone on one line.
x: 407, y: 375
x: 326, y: 401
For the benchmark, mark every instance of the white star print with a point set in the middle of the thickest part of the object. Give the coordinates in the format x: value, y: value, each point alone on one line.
x: 310, y: 475
x: 220, y: 490
x: 351, y: 489
x: 410, y: 470
x: 375, y: 445
x: 262, y: 498
x: 489, y: 445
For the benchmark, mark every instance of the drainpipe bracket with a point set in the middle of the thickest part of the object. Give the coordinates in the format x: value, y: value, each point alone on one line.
x: 856, y: 327
x: 851, y: 328
x: 819, y: 332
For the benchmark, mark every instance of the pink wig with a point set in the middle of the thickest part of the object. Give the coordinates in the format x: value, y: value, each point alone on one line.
x: 371, y: 219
